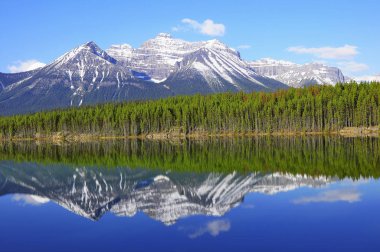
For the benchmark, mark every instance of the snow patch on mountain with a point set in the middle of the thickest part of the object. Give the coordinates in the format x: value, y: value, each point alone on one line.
x: 158, y: 57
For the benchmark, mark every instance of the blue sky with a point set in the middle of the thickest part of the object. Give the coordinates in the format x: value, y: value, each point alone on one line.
x: 340, y: 33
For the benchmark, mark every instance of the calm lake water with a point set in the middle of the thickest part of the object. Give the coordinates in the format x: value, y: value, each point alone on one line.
x: 259, y: 194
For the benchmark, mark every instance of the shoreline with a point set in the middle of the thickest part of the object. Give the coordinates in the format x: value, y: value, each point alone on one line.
x: 68, y: 137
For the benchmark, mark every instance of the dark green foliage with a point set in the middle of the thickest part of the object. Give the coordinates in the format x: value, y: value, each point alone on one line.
x: 309, y: 109
x: 314, y: 156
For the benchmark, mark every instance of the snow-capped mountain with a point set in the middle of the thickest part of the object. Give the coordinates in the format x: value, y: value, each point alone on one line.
x: 84, y: 75
x: 192, y: 67
x: 216, y: 68
x: 156, y: 57
x: 162, y: 66
x: 296, y: 75
x: 91, y: 192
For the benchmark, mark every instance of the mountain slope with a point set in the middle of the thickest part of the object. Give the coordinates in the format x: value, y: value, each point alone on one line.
x: 85, y: 75
x: 8, y: 78
x: 192, y: 67
x: 156, y: 57
x: 217, y: 68
x: 296, y: 75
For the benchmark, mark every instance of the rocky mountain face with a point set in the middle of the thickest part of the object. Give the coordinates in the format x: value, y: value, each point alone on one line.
x: 296, y: 75
x: 156, y: 57
x: 85, y: 75
x: 192, y: 67
x: 160, y: 67
x: 217, y: 68
x: 167, y: 197
x: 9, y: 78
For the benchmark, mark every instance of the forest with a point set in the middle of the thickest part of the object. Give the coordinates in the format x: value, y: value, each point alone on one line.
x: 319, y: 108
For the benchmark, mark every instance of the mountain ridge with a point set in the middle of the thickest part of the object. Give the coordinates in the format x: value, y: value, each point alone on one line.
x: 298, y: 75
x: 162, y: 66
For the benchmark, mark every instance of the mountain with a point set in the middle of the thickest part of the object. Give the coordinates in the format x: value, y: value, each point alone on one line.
x: 217, y: 68
x: 156, y: 57
x: 192, y: 67
x: 296, y: 75
x: 85, y: 75
x: 167, y: 197
x: 162, y: 66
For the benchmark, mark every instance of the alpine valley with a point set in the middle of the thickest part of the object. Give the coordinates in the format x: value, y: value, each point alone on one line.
x: 160, y: 67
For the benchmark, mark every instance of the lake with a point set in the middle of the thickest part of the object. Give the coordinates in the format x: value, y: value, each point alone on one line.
x: 315, y: 193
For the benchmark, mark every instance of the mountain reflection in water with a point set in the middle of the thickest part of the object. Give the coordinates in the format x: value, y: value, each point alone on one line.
x: 91, y: 192
x: 171, y: 180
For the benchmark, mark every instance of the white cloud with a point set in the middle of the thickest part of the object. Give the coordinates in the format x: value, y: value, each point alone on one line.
x: 208, y: 27
x: 27, y: 65
x: 368, y: 78
x: 349, y: 196
x: 352, y: 66
x: 176, y: 28
x: 214, y: 228
x: 30, y: 199
x: 343, y: 52
x: 243, y: 47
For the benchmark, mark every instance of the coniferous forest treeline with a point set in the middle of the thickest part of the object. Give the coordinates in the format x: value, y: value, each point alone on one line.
x: 319, y: 108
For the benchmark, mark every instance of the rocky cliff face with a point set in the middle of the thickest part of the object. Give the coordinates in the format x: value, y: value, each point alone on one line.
x: 156, y: 57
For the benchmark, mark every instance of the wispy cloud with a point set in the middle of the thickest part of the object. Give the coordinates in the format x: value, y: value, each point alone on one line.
x: 207, y: 27
x: 352, y: 66
x: 30, y: 199
x: 343, y: 52
x: 27, y: 65
x: 243, y: 47
x: 343, y: 195
x: 214, y: 228
x: 176, y: 28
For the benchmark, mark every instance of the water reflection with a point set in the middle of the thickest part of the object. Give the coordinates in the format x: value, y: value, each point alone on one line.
x: 304, y: 193
x: 172, y: 180
x: 91, y: 192
x: 344, y: 195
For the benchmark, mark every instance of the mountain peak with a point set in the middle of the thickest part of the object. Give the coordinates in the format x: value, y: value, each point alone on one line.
x: 270, y: 61
x: 163, y: 35
x: 92, y: 47
x: 217, y: 44
x: 86, y: 49
x: 91, y: 44
x: 121, y: 52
